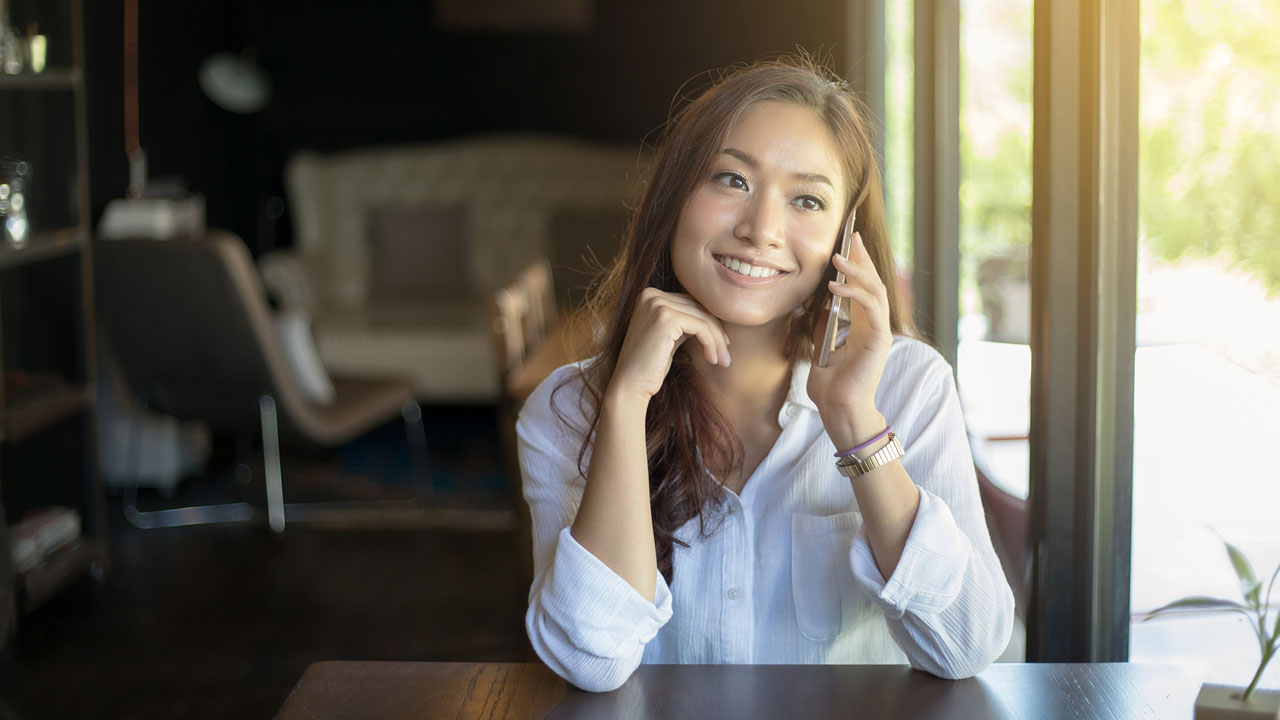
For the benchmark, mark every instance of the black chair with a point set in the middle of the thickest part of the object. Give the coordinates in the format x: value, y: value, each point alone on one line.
x: 190, y: 326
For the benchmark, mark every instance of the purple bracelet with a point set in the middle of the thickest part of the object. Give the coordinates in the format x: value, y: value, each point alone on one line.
x: 866, y: 444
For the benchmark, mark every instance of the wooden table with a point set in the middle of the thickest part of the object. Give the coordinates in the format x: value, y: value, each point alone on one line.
x: 384, y: 690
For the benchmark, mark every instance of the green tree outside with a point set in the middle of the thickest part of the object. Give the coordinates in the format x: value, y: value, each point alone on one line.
x: 1209, y: 148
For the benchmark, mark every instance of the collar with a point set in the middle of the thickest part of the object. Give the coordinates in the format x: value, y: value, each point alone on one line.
x: 797, y: 394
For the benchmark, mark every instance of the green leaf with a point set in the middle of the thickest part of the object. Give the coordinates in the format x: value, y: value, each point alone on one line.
x: 1249, y: 584
x: 1266, y: 602
x: 1198, y: 602
x: 1252, y: 593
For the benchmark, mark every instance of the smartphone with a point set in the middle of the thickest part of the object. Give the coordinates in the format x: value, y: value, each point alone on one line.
x: 838, y: 318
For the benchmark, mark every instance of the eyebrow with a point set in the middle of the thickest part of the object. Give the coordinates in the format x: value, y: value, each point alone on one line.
x: 753, y: 164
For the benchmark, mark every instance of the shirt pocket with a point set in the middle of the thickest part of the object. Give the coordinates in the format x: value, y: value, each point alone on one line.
x: 821, y: 576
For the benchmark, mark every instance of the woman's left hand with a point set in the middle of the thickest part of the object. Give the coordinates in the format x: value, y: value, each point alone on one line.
x: 845, y: 390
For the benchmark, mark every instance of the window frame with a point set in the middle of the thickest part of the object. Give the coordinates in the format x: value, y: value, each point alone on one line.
x: 1083, y: 304
x: 1083, y: 270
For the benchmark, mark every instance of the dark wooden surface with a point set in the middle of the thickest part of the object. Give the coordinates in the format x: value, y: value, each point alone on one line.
x: 386, y: 690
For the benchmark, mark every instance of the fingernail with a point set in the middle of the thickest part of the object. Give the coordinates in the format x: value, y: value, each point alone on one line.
x: 833, y: 284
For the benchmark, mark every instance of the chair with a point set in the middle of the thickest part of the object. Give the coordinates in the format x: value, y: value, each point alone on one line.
x: 523, y: 317
x: 190, y: 325
x: 524, y: 311
x: 1006, y: 516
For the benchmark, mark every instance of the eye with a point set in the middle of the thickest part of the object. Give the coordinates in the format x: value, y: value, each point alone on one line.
x: 731, y: 180
x: 811, y: 202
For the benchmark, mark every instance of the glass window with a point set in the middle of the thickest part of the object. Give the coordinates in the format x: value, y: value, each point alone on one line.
x: 995, y: 233
x: 899, y: 131
x: 1207, y: 366
x: 993, y: 357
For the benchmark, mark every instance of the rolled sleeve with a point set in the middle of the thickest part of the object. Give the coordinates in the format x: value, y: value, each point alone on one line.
x: 930, y: 573
x: 599, y: 612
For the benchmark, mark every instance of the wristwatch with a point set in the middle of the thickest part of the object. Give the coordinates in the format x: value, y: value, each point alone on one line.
x: 851, y: 466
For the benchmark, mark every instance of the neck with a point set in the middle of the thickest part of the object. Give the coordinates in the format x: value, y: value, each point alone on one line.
x: 755, y: 384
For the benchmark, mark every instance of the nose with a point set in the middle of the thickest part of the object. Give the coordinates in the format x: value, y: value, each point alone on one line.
x: 761, y: 223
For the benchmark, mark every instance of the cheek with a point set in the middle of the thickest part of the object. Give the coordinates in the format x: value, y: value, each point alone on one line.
x: 711, y: 210
x: 815, y: 252
x: 684, y: 250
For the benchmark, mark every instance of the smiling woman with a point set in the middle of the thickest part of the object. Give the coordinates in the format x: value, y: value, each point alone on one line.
x: 699, y: 492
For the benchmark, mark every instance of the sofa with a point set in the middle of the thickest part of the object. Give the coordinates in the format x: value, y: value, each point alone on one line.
x: 397, y: 250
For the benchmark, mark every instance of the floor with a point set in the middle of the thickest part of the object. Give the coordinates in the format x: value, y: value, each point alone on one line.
x: 217, y: 622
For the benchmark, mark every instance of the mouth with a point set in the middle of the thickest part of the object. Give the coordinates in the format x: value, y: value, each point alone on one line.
x: 746, y: 269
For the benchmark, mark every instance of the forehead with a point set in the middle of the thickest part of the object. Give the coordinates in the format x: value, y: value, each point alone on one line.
x: 788, y: 138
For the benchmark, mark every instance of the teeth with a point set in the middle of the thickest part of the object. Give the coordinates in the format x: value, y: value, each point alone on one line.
x: 746, y: 268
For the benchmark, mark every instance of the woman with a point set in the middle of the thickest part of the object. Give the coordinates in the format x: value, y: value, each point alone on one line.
x: 686, y: 501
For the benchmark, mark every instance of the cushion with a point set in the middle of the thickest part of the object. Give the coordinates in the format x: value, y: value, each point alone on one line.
x: 420, y: 253
x: 300, y: 352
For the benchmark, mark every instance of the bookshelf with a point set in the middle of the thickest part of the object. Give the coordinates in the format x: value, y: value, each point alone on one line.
x: 51, y: 79
x: 30, y: 414
x: 42, y: 246
x: 67, y: 564
x: 48, y: 422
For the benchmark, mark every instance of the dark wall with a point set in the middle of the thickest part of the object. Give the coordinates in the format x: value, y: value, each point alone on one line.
x: 353, y: 74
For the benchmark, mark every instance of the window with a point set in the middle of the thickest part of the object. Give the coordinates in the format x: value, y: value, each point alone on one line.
x: 898, y: 131
x: 994, y: 360
x: 1207, y: 366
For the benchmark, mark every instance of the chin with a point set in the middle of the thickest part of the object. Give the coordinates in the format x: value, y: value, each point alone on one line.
x: 751, y: 318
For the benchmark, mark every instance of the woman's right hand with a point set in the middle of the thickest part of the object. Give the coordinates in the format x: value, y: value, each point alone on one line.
x: 662, y: 321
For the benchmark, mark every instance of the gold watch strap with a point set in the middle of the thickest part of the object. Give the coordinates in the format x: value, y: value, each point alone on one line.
x: 851, y: 466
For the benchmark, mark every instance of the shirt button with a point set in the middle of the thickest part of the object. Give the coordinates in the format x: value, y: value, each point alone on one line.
x: 791, y: 410
x: 734, y: 593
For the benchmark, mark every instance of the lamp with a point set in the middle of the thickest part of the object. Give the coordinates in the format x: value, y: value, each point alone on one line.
x: 154, y: 212
x: 235, y: 83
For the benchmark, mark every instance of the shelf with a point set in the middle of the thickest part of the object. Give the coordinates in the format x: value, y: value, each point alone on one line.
x: 47, y: 389
x: 50, y: 79
x: 27, y: 414
x: 68, y: 564
x: 42, y: 246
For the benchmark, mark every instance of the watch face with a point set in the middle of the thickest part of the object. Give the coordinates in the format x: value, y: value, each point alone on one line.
x: 850, y: 466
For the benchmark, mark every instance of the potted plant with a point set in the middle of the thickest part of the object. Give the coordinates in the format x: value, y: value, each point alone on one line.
x: 1223, y: 701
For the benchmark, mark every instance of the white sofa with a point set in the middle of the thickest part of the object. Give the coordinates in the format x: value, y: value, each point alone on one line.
x: 398, y: 249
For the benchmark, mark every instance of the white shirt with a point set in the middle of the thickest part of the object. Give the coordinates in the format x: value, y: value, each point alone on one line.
x: 784, y: 575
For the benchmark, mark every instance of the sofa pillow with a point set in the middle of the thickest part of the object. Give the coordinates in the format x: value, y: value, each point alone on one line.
x: 581, y: 240
x: 300, y: 352
x: 419, y: 254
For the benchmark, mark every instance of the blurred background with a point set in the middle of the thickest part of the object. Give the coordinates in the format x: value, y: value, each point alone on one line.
x: 412, y: 194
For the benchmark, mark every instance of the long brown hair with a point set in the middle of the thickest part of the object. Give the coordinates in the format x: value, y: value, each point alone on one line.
x: 686, y: 435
